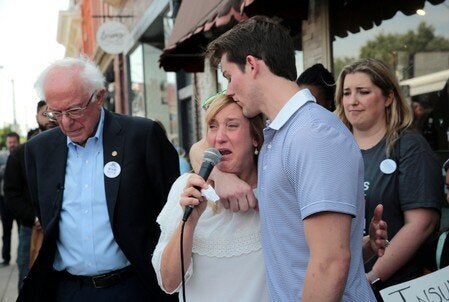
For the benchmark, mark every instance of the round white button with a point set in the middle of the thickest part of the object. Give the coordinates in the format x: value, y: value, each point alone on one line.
x: 388, y: 166
x: 112, y: 169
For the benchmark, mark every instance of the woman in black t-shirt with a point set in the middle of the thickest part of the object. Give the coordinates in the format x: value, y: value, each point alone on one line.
x: 401, y: 171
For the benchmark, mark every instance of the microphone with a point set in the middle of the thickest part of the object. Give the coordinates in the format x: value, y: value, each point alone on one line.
x: 211, y: 157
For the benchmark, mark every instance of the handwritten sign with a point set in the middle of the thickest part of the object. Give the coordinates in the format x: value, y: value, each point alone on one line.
x: 112, y: 37
x: 429, y: 288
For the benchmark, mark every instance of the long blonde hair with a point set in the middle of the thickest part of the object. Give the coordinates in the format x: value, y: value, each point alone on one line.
x: 398, y: 115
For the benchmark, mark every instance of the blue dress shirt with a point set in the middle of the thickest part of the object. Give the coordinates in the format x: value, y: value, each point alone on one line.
x: 86, y: 245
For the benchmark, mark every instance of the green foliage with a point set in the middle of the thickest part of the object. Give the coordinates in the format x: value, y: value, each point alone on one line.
x: 339, y: 63
x: 384, y: 47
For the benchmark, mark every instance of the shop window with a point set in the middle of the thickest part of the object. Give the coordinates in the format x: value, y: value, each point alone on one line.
x: 137, y: 102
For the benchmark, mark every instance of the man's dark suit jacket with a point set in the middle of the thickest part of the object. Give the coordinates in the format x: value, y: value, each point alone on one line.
x: 149, y: 166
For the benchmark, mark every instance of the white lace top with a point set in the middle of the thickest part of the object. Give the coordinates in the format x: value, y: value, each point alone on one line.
x: 227, y: 262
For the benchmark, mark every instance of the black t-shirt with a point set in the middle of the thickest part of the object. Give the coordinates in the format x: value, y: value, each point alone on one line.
x: 415, y: 182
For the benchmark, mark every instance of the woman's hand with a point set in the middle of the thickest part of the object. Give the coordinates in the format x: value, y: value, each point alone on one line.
x: 191, y: 196
x: 378, y: 233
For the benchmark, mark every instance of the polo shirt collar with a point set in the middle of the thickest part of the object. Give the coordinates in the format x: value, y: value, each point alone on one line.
x: 297, y: 101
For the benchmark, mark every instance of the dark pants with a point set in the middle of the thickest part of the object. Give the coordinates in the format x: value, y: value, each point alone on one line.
x: 23, y: 253
x: 129, y: 289
x: 7, y: 220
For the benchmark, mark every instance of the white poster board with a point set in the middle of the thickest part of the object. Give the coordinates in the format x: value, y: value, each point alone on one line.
x: 429, y: 288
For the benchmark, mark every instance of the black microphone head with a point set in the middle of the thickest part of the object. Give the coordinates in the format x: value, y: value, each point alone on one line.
x: 212, y: 155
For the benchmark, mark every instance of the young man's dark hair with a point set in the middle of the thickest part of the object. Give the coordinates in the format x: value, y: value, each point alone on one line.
x: 270, y: 43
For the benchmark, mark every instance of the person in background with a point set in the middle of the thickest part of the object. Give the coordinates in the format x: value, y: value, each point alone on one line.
x: 401, y: 171
x: 307, y: 210
x: 437, y: 256
x: 97, y: 183
x: 184, y: 164
x: 321, y: 84
x: 17, y: 197
x: 424, y: 122
x: 12, y: 141
x: 43, y: 122
x: 422, y: 110
x: 7, y: 217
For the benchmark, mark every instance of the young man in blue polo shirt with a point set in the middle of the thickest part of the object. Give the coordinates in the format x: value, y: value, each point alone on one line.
x: 310, y: 172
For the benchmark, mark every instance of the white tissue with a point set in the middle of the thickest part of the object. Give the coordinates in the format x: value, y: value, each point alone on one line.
x: 210, y: 194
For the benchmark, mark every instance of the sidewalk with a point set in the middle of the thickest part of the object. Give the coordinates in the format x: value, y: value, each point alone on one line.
x: 9, y: 274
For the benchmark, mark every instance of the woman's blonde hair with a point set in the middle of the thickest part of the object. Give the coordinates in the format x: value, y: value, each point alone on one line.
x: 398, y: 115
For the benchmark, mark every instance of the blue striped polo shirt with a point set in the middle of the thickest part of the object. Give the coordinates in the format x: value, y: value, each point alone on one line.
x: 309, y: 163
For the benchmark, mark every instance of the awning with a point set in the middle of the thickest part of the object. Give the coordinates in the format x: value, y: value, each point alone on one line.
x: 196, y: 16
x: 193, y: 20
x: 427, y: 83
x: 200, y: 21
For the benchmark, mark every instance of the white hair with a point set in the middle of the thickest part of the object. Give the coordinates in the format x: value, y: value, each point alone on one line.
x: 90, y: 74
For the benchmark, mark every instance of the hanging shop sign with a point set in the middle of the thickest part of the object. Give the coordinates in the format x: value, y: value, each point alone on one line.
x: 113, y: 37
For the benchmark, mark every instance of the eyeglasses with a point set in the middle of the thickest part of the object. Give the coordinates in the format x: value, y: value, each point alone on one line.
x: 205, y: 104
x: 73, y: 113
